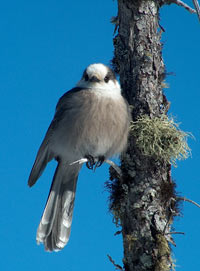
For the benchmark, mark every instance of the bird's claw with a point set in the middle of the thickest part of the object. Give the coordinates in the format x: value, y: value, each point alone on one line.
x: 91, y: 162
x: 100, y: 161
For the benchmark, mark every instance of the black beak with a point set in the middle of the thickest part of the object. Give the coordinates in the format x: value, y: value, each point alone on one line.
x: 94, y: 79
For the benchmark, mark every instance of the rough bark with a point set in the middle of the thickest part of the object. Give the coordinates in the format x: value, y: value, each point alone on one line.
x: 142, y: 200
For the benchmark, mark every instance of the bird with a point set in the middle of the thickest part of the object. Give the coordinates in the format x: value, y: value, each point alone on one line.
x: 91, y: 121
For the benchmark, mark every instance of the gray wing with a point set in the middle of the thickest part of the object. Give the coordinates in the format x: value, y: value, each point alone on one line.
x: 44, y: 154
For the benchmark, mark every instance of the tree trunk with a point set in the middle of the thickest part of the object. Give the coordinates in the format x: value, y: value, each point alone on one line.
x: 142, y: 200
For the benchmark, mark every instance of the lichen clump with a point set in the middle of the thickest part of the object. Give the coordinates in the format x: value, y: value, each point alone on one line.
x: 161, y: 138
x: 164, y: 262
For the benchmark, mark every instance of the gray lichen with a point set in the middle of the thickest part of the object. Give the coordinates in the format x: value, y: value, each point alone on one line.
x: 161, y: 138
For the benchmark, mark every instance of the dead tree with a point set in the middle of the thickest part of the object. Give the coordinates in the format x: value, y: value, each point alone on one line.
x: 143, y: 199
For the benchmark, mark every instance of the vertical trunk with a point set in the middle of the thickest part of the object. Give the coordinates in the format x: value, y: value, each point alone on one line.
x: 142, y: 199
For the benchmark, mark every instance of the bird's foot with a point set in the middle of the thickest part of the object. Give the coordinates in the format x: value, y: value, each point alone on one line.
x: 100, y: 161
x: 91, y: 164
x: 91, y: 161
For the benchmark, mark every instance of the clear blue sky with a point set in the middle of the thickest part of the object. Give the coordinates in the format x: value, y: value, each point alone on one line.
x: 45, y: 45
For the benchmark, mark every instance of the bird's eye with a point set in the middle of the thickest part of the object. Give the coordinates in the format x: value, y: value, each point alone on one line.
x: 106, y: 79
x: 86, y: 77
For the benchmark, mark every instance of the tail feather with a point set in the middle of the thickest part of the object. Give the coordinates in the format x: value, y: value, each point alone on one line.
x: 55, y: 225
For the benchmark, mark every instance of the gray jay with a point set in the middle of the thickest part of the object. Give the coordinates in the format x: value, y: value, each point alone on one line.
x: 91, y: 121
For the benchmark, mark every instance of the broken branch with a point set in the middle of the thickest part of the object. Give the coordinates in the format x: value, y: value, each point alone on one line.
x: 188, y: 200
x: 117, y: 266
x: 182, y: 4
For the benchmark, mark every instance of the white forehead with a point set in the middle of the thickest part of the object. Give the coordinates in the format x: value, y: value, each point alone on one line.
x: 97, y: 68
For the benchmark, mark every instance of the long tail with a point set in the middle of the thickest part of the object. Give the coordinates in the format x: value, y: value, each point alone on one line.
x: 55, y: 225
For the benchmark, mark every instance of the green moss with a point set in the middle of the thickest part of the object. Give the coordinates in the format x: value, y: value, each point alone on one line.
x: 160, y: 138
x: 130, y: 239
x: 164, y: 262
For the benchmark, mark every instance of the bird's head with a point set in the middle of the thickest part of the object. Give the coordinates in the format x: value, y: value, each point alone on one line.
x: 98, y: 76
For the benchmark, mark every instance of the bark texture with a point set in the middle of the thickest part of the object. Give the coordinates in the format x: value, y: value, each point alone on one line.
x: 143, y: 199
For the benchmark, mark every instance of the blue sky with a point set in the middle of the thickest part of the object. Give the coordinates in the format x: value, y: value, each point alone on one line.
x: 45, y: 45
